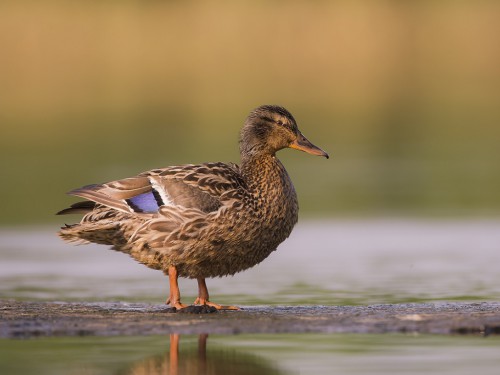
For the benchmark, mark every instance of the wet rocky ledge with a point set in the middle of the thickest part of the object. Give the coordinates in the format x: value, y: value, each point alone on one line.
x: 34, y: 319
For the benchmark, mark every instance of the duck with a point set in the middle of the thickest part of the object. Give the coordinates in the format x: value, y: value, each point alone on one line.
x: 200, y: 221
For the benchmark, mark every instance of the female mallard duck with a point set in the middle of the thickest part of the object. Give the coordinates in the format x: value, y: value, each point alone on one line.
x: 205, y: 220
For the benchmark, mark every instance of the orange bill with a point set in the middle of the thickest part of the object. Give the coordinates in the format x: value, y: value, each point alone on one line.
x: 302, y: 143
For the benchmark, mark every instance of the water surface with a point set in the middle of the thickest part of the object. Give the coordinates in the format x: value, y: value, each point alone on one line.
x: 323, y: 263
x: 253, y: 354
x: 330, y: 262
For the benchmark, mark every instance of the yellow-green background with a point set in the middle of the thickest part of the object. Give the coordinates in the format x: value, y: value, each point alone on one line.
x: 405, y: 95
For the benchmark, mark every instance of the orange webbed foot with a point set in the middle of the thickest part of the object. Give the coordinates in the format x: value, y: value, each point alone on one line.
x: 177, y: 304
x: 202, y: 301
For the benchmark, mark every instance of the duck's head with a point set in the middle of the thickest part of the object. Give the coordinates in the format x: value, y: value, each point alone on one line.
x: 270, y: 128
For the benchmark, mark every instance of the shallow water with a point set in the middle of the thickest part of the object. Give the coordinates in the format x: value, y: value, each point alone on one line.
x: 331, y: 262
x: 328, y: 262
x: 253, y: 354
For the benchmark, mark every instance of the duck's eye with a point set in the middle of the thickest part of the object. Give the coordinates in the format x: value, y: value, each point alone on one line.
x: 279, y: 122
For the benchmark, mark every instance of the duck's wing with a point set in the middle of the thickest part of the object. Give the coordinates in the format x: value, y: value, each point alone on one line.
x: 202, y: 187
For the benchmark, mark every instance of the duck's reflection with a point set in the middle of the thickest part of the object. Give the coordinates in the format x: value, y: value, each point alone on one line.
x: 180, y: 360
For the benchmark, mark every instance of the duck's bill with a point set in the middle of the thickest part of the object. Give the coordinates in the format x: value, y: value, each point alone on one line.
x: 303, y: 144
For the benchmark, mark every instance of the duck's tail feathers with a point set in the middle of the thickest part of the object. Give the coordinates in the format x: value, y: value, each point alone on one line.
x: 78, y: 208
x: 104, y: 233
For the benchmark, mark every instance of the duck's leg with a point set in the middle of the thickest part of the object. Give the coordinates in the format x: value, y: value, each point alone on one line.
x: 203, y: 297
x: 174, y: 298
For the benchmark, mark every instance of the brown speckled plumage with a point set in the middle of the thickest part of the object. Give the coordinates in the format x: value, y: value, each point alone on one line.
x: 205, y: 220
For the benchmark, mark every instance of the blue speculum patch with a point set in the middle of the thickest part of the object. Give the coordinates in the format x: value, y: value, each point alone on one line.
x: 144, y: 202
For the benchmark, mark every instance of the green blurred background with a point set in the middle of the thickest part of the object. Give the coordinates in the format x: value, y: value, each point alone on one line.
x: 405, y: 95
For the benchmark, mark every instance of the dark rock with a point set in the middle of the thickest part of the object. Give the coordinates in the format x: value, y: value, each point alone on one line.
x: 32, y: 319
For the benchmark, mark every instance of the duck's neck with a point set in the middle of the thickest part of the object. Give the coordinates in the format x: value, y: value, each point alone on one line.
x: 266, y: 176
x: 259, y: 169
x: 274, y: 197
